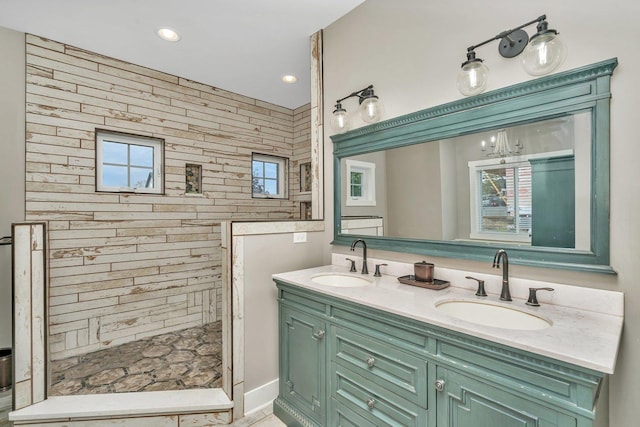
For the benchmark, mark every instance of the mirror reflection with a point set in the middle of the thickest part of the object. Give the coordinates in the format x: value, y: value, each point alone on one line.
x: 526, y: 185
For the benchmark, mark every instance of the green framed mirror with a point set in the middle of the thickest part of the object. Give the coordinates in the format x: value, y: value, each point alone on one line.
x: 524, y: 168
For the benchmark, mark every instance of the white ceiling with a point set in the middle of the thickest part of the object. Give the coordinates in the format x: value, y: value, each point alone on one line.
x: 243, y: 46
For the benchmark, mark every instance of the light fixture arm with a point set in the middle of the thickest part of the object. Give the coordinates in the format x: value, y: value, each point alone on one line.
x: 362, y: 94
x: 505, y: 36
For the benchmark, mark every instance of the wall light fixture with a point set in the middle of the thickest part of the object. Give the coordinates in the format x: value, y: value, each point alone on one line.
x: 370, y: 109
x: 543, y: 54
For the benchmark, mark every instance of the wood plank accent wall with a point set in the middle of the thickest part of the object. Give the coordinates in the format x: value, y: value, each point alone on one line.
x: 301, y: 151
x: 126, y: 266
x: 28, y: 306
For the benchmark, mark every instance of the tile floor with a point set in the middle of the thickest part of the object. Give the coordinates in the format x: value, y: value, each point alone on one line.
x: 190, y: 358
x: 263, y: 418
x: 270, y: 421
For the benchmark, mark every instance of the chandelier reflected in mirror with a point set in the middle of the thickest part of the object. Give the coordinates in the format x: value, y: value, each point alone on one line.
x: 499, y: 146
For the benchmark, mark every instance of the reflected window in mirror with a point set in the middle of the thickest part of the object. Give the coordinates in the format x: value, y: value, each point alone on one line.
x: 361, y: 187
x: 501, y: 196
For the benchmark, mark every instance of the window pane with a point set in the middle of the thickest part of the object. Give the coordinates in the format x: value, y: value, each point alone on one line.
x: 114, y: 176
x: 114, y: 152
x: 506, y: 200
x: 257, y: 167
x: 271, y: 170
x: 497, y: 200
x: 271, y: 186
x: 257, y: 186
x: 356, y: 184
x: 356, y: 177
x: 141, y: 155
x: 128, y: 161
x: 523, y: 198
x: 268, y: 176
x: 141, y: 177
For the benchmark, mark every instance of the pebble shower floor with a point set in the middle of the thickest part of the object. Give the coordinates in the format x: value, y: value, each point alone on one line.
x: 186, y: 359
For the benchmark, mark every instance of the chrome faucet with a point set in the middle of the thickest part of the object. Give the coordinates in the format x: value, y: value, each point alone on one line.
x: 365, y: 270
x: 505, y: 295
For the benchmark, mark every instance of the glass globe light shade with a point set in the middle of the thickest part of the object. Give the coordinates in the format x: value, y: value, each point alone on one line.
x: 340, y: 121
x: 472, y: 78
x: 544, y: 54
x: 371, y: 109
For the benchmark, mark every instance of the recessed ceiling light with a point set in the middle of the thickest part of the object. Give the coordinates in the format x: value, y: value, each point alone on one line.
x: 168, y: 34
x: 289, y: 78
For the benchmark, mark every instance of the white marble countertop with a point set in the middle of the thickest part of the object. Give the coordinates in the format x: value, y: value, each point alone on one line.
x: 587, y: 338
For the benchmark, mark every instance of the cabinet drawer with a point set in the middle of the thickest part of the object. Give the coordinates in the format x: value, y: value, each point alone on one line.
x: 384, y: 328
x: 381, y: 363
x: 373, y: 403
x: 295, y: 299
x: 342, y: 416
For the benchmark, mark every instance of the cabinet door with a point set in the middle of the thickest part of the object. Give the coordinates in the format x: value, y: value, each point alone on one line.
x: 463, y: 401
x: 302, y: 363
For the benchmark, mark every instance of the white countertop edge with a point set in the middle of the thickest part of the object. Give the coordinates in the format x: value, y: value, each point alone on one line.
x: 582, y: 338
x: 125, y: 404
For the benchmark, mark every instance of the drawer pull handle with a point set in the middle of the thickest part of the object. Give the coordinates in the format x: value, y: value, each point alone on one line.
x: 319, y: 335
x: 371, y: 403
x: 439, y: 385
x: 370, y: 361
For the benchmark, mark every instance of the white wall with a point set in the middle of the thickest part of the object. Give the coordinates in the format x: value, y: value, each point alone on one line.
x: 411, y: 51
x: 265, y: 255
x: 12, y: 114
x: 413, y: 166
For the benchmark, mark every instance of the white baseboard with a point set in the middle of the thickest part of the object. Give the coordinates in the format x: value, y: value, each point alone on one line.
x: 260, y: 397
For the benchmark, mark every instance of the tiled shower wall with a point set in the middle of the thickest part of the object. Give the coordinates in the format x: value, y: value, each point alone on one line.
x: 125, y: 266
x: 301, y: 151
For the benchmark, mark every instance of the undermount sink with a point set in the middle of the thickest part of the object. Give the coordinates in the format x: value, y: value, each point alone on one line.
x: 488, y: 314
x: 340, y: 280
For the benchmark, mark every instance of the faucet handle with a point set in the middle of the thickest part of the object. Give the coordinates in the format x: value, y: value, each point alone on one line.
x: 353, y: 265
x: 533, y: 297
x: 480, y: 292
x: 377, y: 273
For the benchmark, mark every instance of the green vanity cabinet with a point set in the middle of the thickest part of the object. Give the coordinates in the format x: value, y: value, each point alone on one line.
x: 374, y: 368
x: 464, y: 401
x: 303, y: 364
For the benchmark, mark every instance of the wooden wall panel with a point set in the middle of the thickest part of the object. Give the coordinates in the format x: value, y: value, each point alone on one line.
x: 29, y: 288
x: 125, y: 266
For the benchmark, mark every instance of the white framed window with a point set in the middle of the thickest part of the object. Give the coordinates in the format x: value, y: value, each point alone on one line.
x: 500, y: 198
x: 129, y: 163
x: 269, y: 176
x: 361, y: 183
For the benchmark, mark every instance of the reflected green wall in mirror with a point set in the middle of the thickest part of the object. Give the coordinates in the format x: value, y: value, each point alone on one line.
x: 427, y: 200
